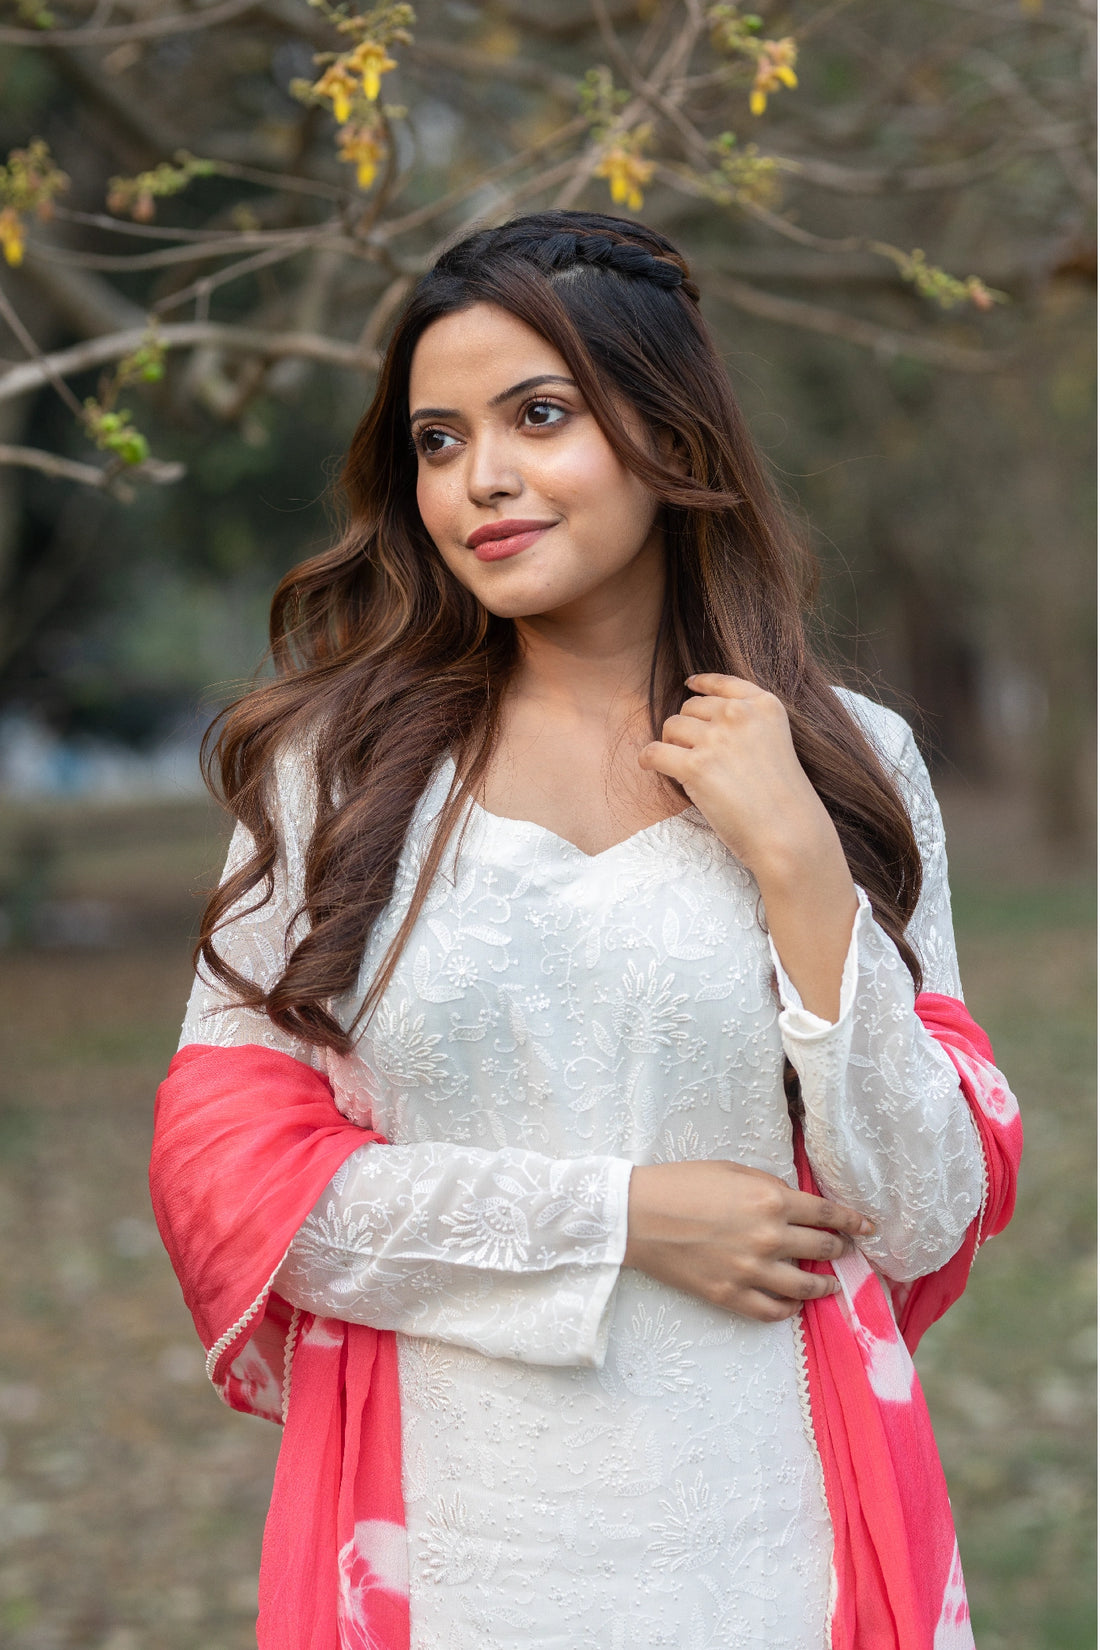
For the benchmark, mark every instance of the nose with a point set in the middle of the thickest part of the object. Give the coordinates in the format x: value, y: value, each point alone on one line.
x: 491, y: 470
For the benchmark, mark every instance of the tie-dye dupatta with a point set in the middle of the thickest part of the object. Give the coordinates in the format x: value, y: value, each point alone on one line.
x: 898, y: 1582
x: 247, y: 1139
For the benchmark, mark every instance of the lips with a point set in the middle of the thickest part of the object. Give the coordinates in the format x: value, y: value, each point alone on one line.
x: 498, y: 539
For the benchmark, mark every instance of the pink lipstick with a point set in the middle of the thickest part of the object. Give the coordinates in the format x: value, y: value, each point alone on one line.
x: 498, y: 539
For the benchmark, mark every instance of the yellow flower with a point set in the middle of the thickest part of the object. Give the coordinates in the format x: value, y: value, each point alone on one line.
x: 360, y: 147
x: 626, y: 173
x: 338, y: 84
x: 370, y: 62
x: 774, y: 68
x: 12, y: 238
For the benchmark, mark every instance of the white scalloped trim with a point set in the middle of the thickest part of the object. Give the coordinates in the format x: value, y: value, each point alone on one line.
x: 242, y: 1322
x: 288, y: 1356
x: 802, y: 1382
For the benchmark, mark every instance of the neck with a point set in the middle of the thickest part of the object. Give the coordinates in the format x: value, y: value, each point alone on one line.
x: 591, y: 661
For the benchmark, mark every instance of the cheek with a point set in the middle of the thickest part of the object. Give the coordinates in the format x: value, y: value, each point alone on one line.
x: 440, y: 498
x: 590, y: 484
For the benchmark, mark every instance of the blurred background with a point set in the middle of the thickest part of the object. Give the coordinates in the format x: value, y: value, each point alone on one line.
x: 207, y: 217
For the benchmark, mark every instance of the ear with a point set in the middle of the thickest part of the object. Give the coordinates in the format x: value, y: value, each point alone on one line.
x: 671, y: 451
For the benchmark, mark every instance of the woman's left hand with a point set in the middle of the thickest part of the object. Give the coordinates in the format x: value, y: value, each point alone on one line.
x: 731, y: 750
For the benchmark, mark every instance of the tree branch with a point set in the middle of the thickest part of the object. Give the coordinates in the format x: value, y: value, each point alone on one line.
x: 40, y: 362
x: 89, y: 475
x: 851, y: 328
x: 117, y: 34
x: 96, y: 352
x: 224, y: 246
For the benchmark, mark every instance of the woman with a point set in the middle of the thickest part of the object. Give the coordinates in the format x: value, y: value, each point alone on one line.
x: 565, y: 870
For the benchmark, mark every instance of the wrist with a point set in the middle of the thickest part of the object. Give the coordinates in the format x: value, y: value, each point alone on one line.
x: 787, y: 870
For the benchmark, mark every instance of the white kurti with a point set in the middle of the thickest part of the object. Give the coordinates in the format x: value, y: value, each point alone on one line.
x: 592, y: 1459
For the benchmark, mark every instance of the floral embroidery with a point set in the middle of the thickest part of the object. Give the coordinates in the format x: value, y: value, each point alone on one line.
x: 489, y: 1232
x: 645, y: 1013
x: 648, y: 1358
x: 693, y: 1534
x: 588, y: 1456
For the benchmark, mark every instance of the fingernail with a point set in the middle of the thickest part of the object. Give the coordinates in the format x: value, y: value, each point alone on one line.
x: 867, y: 1228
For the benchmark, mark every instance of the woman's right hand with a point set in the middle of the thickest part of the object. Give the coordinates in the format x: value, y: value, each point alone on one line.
x: 733, y: 1236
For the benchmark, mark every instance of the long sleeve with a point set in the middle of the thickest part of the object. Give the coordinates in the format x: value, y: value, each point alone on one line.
x: 510, y: 1252
x: 887, y: 1129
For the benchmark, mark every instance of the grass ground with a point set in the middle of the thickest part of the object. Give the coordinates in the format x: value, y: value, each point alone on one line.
x: 131, y: 1502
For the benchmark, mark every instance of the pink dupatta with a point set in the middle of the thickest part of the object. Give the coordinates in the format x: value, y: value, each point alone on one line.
x: 898, y: 1582
x: 247, y: 1139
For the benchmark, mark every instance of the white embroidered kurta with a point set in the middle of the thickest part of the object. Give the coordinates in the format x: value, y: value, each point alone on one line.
x: 592, y: 1460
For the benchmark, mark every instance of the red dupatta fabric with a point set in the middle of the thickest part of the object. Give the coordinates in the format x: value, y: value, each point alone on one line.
x: 247, y: 1139
x: 898, y: 1582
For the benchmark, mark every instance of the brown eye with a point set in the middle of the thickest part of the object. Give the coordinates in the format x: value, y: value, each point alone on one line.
x: 542, y: 415
x: 429, y: 442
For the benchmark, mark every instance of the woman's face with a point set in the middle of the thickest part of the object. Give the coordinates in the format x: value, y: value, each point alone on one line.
x: 517, y: 485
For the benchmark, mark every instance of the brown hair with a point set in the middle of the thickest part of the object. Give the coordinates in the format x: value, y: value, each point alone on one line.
x: 385, y: 663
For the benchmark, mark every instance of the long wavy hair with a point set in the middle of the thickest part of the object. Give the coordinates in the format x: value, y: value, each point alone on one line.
x: 385, y: 663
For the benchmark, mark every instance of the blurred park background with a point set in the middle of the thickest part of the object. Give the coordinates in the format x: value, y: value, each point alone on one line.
x: 208, y: 214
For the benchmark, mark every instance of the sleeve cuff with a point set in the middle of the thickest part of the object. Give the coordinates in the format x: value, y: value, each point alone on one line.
x: 596, y: 1327
x: 799, y: 1023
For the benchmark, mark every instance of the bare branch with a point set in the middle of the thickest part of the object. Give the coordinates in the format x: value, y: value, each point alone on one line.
x: 951, y: 174
x: 223, y: 246
x: 464, y: 60
x: 85, y: 302
x: 670, y: 67
x: 52, y: 464
x: 1009, y: 85
x: 89, y: 475
x: 40, y: 362
x: 208, y: 284
x: 425, y: 214
x: 152, y: 28
x: 96, y: 352
x: 884, y: 341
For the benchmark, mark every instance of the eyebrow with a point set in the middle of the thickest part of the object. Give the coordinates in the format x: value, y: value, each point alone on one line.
x: 498, y: 400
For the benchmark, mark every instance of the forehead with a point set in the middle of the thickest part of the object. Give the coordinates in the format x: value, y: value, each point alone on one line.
x: 473, y: 354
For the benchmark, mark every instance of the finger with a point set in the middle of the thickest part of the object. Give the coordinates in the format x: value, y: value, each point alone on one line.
x: 673, y: 760
x: 680, y: 730
x: 765, y: 1308
x: 723, y: 687
x: 703, y: 710
x: 806, y: 1210
x: 788, y: 1282
x: 810, y: 1243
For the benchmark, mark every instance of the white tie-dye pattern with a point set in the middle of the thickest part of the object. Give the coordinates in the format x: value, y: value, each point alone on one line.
x: 374, y: 1560
x: 953, y: 1630
x: 993, y: 1093
x: 258, y: 1383
x: 324, y: 1332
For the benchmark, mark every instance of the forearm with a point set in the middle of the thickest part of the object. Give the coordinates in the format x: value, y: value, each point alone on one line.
x: 886, y: 1126
x: 810, y: 903
x: 511, y: 1253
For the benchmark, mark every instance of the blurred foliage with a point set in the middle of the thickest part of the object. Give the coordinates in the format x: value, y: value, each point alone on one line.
x: 262, y: 190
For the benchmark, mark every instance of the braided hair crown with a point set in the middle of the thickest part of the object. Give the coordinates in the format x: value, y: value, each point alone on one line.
x: 558, y: 242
